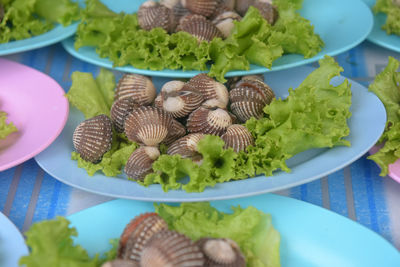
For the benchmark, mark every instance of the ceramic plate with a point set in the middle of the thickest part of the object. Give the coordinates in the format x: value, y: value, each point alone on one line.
x: 334, y: 21
x: 310, y: 236
x: 35, y: 103
x: 366, y: 126
x: 12, y: 244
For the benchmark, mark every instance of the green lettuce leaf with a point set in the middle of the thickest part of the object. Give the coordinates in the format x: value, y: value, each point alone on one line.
x: 250, y: 228
x: 5, y: 128
x: 392, y: 24
x: 60, y: 11
x: 387, y: 87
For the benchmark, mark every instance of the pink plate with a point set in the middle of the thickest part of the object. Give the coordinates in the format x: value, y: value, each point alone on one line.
x: 36, y: 104
x: 394, y: 169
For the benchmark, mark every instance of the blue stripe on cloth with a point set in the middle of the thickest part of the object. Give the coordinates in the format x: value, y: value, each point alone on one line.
x: 36, y: 58
x: 312, y: 192
x: 23, y: 193
x: 59, y: 65
x: 337, y: 193
x: 6, y: 178
x: 295, y: 192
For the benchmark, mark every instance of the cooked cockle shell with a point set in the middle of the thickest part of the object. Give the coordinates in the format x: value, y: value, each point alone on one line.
x: 175, y: 131
x: 237, y: 137
x: 221, y: 252
x: 199, y: 27
x: 267, y: 10
x: 120, y: 110
x: 248, y: 99
x: 215, y: 93
x: 153, y: 15
x: 201, y: 7
x: 140, y: 162
x: 93, y: 137
x: 177, y: 9
x: 148, y: 125
x: 171, y: 249
x: 209, y: 121
x: 243, y: 5
x: 234, y: 80
x: 224, y: 22
x: 135, y: 235
x: 186, y: 146
x: 138, y: 87
x: 121, y: 263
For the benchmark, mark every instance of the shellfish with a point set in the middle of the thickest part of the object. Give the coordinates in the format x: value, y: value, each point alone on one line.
x: 175, y: 131
x: 93, y: 137
x: 121, y: 263
x: 213, y: 121
x: 140, y: 162
x: 148, y: 125
x: 267, y: 10
x: 186, y: 146
x: 153, y: 15
x: 221, y: 252
x: 119, y: 110
x: 215, y: 93
x: 135, y: 235
x: 171, y: 249
x: 237, y: 137
x: 224, y: 22
x: 228, y: 3
x: 249, y: 97
x: 177, y: 8
x: 199, y: 27
x: 138, y: 87
x: 243, y: 5
x: 201, y: 7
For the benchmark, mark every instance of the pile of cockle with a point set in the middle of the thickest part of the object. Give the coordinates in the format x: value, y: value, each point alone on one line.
x: 147, y: 242
x: 204, y: 19
x: 179, y: 117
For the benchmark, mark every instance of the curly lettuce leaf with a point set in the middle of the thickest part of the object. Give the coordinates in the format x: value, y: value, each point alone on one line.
x: 60, y: 11
x: 6, y: 128
x: 387, y: 87
x: 250, y: 228
x: 392, y: 24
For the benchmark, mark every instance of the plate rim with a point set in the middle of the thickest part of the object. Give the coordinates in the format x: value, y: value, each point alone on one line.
x: 377, y: 41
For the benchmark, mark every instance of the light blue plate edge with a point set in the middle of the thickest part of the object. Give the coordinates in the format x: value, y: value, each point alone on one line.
x: 310, y: 235
x: 330, y: 161
x: 381, y: 38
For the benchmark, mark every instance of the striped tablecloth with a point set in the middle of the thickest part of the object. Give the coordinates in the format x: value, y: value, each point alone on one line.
x: 28, y: 194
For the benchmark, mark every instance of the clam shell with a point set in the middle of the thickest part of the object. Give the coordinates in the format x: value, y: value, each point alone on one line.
x: 243, y: 5
x: 177, y: 8
x: 121, y: 263
x: 237, y: 137
x: 120, y: 110
x: 221, y: 252
x: 153, y: 15
x: 138, y: 87
x: 228, y: 3
x: 213, y: 121
x: 215, y: 93
x: 147, y: 125
x: 267, y: 10
x: 141, y: 161
x: 137, y: 233
x: 93, y: 137
x: 186, y: 146
x: 199, y: 27
x: 224, y: 22
x: 248, y: 99
x: 176, y: 131
x: 171, y: 249
x: 234, y: 80
x: 201, y: 7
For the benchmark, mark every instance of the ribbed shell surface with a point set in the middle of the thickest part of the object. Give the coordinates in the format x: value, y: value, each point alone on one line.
x: 148, y: 125
x: 153, y: 15
x: 119, y: 110
x: 140, y: 162
x: 224, y: 22
x: 93, y: 137
x: 185, y: 146
x: 171, y: 249
x: 201, y: 7
x: 237, y: 137
x: 199, y: 27
x: 182, y: 103
x: 176, y: 131
x: 121, y: 263
x: 212, y: 90
x: 177, y: 9
x: 138, y: 87
x: 243, y: 5
x: 209, y: 121
x: 268, y: 11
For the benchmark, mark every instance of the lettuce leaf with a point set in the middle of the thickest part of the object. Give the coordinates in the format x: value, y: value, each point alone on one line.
x: 60, y: 11
x: 387, y: 87
x: 392, y: 24
x: 250, y: 228
x: 5, y: 128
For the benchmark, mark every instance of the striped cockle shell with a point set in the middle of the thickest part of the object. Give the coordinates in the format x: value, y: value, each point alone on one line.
x: 137, y: 232
x: 199, y: 27
x: 120, y: 110
x: 120, y: 263
x: 267, y: 10
x: 177, y: 8
x: 221, y: 252
x: 232, y: 81
x: 243, y: 5
x: 148, y: 125
x: 153, y: 15
x: 213, y: 121
x: 215, y: 93
x: 138, y: 87
x: 93, y: 137
x: 141, y: 161
x: 224, y: 22
x: 237, y: 137
x: 186, y: 146
x: 181, y: 103
x: 228, y: 3
x: 248, y: 99
x: 171, y: 249
x: 175, y: 131
x: 201, y: 7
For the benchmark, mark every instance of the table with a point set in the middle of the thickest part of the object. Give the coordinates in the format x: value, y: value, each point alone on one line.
x: 28, y: 194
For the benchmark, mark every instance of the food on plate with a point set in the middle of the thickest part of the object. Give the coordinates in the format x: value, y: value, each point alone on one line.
x: 192, y: 35
x: 192, y: 234
x: 21, y: 19
x: 209, y: 145
x: 392, y: 9
x: 386, y: 87
x: 5, y: 128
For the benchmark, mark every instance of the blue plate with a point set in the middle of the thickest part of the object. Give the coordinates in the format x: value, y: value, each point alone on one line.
x: 12, y: 244
x: 366, y: 126
x: 334, y: 21
x: 310, y: 236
